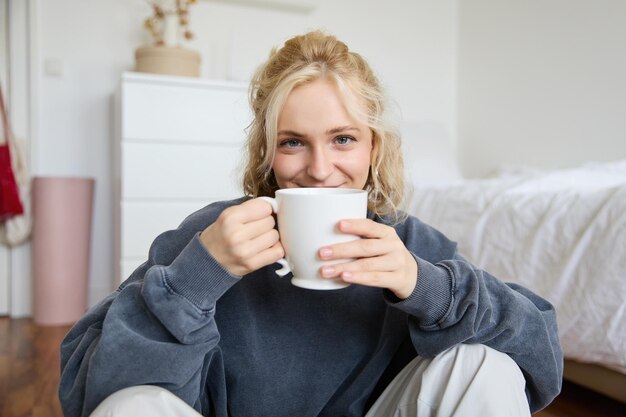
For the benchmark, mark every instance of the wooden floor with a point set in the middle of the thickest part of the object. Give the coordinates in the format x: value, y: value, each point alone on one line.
x: 29, y: 369
x: 29, y: 375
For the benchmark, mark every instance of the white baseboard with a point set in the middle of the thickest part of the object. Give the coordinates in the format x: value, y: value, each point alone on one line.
x: 21, y: 304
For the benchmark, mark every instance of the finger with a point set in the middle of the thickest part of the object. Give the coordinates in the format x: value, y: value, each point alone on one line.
x: 252, y: 230
x: 374, y: 264
x: 401, y: 287
x: 365, y: 228
x: 259, y: 208
x: 260, y: 243
x: 371, y: 279
x: 249, y: 211
x: 265, y: 257
x: 360, y: 248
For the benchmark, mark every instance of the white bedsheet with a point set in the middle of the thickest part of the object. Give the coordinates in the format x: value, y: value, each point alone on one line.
x: 560, y: 233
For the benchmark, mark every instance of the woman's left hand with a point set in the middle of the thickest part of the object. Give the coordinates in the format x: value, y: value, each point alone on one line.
x: 381, y: 259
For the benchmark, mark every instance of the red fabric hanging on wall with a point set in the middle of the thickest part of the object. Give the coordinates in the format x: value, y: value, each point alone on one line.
x: 10, y: 203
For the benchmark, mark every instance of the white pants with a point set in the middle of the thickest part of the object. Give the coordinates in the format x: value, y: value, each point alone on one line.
x: 466, y: 380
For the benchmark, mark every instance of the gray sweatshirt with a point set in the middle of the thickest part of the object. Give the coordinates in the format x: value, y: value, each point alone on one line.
x: 259, y: 346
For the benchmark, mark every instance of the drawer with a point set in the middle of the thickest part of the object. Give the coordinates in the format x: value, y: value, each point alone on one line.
x: 143, y: 221
x: 170, y: 171
x: 183, y: 113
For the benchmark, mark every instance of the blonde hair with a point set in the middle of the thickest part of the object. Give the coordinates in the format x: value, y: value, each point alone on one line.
x: 304, y: 59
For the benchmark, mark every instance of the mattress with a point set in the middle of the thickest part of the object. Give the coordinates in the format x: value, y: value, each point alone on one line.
x: 560, y: 233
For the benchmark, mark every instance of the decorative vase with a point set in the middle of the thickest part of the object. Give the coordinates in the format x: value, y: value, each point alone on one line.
x: 171, y: 30
x: 167, y: 60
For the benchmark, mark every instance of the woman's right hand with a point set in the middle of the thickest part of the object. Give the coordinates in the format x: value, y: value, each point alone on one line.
x: 243, y: 238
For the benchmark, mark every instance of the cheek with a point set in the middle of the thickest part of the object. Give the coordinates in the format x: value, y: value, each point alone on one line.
x: 283, y: 168
x: 361, y: 164
x: 357, y: 167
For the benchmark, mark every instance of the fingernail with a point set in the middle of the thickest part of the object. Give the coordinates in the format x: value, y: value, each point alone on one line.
x: 346, y: 275
x: 328, y: 271
x: 326, y: 252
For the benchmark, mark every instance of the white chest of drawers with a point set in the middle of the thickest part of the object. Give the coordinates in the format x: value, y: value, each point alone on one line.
x: 179, y: 146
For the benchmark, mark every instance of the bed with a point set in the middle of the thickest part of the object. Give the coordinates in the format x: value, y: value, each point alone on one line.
x: 561, y: 233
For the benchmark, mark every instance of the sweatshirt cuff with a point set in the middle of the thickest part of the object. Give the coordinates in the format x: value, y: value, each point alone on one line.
x: 430, y: 300
x: 197, y: 276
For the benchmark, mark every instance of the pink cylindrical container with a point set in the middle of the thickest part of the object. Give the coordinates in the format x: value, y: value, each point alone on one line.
x: 62, y: 211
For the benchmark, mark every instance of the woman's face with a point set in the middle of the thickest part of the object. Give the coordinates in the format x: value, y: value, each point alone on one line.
x: 319, y: 144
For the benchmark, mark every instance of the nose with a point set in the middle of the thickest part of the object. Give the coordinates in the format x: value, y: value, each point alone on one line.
x: 320, y: 165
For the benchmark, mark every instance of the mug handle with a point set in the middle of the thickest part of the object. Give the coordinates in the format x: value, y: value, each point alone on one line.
x: 283, y: 262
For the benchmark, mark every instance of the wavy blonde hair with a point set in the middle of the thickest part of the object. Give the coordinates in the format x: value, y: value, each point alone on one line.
x: 304, y: 59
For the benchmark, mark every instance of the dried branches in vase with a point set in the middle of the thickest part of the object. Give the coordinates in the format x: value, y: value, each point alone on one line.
x: 168, y: 20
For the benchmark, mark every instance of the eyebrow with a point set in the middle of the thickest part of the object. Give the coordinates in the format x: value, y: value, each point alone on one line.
x: 332, y: 131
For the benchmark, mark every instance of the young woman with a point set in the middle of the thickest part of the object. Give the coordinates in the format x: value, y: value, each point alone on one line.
x: 205, y: 326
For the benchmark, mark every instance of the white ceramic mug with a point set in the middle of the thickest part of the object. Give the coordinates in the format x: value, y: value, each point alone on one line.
x: 307, y: 221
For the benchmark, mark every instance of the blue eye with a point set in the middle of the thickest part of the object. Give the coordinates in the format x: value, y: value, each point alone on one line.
x: 343, y: 140
x: 291, y: 143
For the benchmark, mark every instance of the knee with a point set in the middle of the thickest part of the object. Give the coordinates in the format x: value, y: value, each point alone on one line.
x: 131, y: 401
x: 497, y: 365
x: 465, y: 380
x: 478, y: 378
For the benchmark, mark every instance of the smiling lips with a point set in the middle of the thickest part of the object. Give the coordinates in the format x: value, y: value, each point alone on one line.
x: 318, y: 186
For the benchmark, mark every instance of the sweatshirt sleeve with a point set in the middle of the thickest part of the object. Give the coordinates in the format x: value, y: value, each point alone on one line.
x: 158, y: 328
x: 455, y: 302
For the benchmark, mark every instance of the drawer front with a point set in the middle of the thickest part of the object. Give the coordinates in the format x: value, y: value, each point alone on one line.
x: 180, y: 148
x: 184, y: 114
x: 143, y: 221
x: 167, y: 171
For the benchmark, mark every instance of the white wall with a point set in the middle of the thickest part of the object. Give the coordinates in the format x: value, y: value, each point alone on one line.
x: 541, y: 82
x: 4, y: 81
x: 15, y: 282
x: 411, y: 44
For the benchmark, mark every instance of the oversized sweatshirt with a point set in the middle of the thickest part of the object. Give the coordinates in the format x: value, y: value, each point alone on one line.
x: 258, y: 346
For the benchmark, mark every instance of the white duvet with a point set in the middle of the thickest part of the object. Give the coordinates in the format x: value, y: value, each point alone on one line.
x: 560, y: 233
